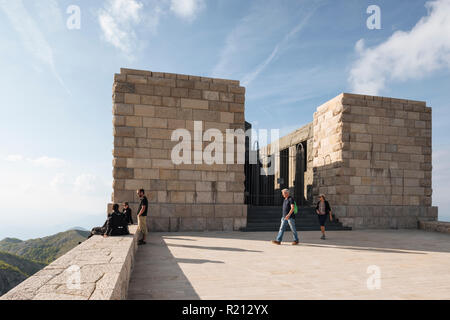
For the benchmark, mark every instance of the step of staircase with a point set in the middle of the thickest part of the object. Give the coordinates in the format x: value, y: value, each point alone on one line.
x: 265, y: 218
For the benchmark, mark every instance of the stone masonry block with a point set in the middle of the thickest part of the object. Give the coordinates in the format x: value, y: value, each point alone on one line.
x: 194, y: 104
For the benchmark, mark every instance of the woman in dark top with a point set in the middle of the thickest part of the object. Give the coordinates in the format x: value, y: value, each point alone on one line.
x: 323, y: 209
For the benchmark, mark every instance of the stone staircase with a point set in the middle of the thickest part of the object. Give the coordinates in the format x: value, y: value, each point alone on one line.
x: 262, y: 218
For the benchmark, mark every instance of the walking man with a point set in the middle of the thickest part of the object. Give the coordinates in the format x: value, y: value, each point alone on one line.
x: 142, y: 216
x: 288, y: 218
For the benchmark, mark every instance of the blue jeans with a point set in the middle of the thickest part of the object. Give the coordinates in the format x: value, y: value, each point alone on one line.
x: 284, y: 223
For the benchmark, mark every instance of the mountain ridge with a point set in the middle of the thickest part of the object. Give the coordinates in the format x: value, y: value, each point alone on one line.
x: 20, y: 259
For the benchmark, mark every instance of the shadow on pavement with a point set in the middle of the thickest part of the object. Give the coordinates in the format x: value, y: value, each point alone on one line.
x: 212, y: 248
x: 157, y: 275
x: 394, y: 241
x: 197, y: 261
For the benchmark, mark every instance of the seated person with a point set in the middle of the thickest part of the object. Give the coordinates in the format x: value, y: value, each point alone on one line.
x: 115, y: 225
x: 127, y: 212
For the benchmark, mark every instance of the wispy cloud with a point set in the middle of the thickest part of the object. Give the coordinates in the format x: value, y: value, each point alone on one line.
x: 44, y: 161
x: 248, y: 78
x: 405, y: 55
x: 31, y: 36
x: 14, y: 158
x: 251, y: 40
x: 117, y: 20
x: 50, y: 14
x: 244, y: 39
x: 48, y: 162
x: 187, y: 9
x: 87, y: 183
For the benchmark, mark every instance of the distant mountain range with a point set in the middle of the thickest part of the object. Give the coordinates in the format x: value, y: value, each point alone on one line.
x: 21, y: 259
x: 79, y: 229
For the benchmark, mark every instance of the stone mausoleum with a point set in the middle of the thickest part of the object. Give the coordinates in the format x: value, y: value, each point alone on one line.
x: 370, y: 155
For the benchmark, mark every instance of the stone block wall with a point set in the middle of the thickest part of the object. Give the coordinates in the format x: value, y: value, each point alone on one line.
x: 147, y: 108
x: 372, y: 158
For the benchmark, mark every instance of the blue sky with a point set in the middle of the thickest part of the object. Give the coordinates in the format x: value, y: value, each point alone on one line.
x: 55, y: 156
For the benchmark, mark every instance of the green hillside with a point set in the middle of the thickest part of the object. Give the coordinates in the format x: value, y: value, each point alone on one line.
x: 44, y: 250
x: 21, y: 259
x: 15, y: 269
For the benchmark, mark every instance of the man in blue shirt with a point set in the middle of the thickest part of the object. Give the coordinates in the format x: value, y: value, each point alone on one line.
x: 288, y: 218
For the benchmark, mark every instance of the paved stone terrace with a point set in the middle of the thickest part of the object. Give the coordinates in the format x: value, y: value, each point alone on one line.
x: 414, y: 264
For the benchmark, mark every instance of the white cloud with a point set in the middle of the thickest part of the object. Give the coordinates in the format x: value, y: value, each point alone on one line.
x: 87, y: 183
x: 32, y: 38
x: 48, y: 162
x: 14, y: 158
x: 54, y: 194
x: 117, y: 21
x: 44, y: 161
x: 405, y: 55
x: 60, y: 182
x: 187, y: 9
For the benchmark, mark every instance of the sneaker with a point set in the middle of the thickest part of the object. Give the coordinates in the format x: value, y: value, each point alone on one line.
x: 322, y: 237
x: 276, y: 242
x: 141, y: 242
x: 295, y: 243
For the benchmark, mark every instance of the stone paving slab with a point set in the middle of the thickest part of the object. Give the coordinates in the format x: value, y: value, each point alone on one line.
x: 413, y: 264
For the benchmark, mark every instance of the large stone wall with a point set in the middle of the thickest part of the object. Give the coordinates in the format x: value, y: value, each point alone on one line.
x: 148, y: 107
x: 372, y: 158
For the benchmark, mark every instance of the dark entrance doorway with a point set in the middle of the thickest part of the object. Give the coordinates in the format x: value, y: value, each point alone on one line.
x: 262, y: 188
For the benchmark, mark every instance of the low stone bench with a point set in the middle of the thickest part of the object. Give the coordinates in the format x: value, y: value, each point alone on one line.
x: 436, y: 226
x: 97, y: 269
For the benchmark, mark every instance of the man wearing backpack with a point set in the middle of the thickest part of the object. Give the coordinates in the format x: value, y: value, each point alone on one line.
x: 288, y: 218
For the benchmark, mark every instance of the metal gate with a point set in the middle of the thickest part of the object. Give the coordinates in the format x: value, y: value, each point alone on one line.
x: 261, y: 188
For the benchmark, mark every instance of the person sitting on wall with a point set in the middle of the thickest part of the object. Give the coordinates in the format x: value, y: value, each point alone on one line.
x: 127, y: 213
x: 115, y: 225
x: 99, y: 231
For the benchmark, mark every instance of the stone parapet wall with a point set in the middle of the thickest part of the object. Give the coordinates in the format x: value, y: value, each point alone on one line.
x: 101, y: 266
x: 384, y: 217
x: 435, y: 226
x: 147, y: 108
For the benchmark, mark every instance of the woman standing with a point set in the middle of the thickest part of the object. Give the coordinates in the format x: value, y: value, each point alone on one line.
x: 323, y: 209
